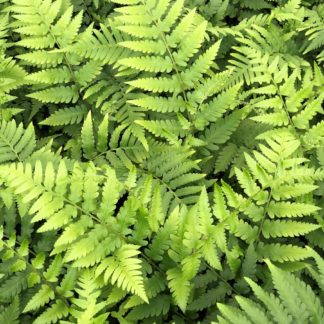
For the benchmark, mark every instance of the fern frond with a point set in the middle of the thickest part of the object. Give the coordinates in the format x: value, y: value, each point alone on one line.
x: 286, y: 209
x: 159, y: 305
x: 87, y: 137
x: 103, y: 46
x: 286, y: 228
x: 124, y: 270
x: 179, y: 286
x: 160, y: 157
x: 305, y: 307
x: 16, y: 143
x: 59, y: 94
x: 10, y: 314
x: 86, y: 307
x: 66, y: 116
x: 55, y: 312
x: 281, y: 253
x: 43, y: 296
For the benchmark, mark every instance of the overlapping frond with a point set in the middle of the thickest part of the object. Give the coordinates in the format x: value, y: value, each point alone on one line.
x: 278, y: 306
x: 159, y: 158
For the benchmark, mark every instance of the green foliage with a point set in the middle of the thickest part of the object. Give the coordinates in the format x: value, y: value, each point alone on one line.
x: 15, y: 142
x: 304, y: 307
x: 161, y: 161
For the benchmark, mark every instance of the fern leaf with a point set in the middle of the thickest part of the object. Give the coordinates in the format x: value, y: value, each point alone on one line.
x: 292, y: 191
x: 168, y: 129
x: 306, y: 115
x: 160, y: 104
x: 286, y: 228
x: 86, y: 306
x: 88, y: 72
x: 282, y: 252
x: 286, y: 209
x: 42, y: 57
x: 16, y: 143
x: 54, y: 313
x: 156, y: 216
x: 220, y: 132
x: 185, y: 52
x: 66, y: 116
x: 87, y: 137
x: 274, y: 119
x: 200, y: 66
x: 247, y: 182
x: 233, y: 314
x: 218, y: 106
x: 159, y: 305
x: 102, y: 142
x: 157, y: 85
x: 148, y: 63
x: 59, y: 94
x: 124, y: 270
x: 219, y: 208
x: 43, y: 296
x: 208, y: 298
x: 253, y: 310
x: 10, y: 314
x: 51, y: 76
x: 304, y: 302
x: 179, y: 286
x: 319, y: 262
x: 274, y: 305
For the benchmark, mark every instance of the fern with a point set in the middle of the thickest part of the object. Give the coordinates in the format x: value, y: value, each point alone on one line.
x: 304, y: 308
x: 185, y: 71
x: 128, y: 270
x: 85, y: 306
x: 16, y: 143
x: 66, y: 116
x: 10, y: 314
x: 314, y: 31
x: 266, y: 200
x: 160, y: 157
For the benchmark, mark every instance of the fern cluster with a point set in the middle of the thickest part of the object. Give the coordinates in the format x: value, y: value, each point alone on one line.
x: 161, y: 161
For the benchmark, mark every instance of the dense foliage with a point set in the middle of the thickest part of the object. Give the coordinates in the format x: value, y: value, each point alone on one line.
x: 161, y: 161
